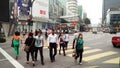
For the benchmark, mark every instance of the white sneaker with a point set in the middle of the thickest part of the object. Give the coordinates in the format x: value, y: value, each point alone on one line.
x: 80, y: 63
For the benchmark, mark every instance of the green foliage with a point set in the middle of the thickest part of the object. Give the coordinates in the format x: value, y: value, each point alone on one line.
x: 87, y: 21
x: 2, y: 40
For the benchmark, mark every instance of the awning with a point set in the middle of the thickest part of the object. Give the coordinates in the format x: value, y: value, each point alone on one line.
x: 41, y: 19
x: 72, y: 18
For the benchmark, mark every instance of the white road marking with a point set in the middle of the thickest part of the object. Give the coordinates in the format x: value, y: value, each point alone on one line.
x: 2, y: 60
x: 113, y: 61
x: 13, y: 61
x: 92, y: 51
x: 98, y: 56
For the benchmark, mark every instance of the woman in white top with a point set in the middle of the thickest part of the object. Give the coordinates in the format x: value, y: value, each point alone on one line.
x: 62, y: 44
x: 39, y: 46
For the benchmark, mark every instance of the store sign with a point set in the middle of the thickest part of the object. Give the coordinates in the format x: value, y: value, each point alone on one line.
x: 74, y: 24
x: 23, y: 23
x: 40, y: 8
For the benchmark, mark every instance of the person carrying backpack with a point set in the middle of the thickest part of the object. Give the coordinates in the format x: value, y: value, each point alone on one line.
x: 79, y: 48
x: 62, y: 44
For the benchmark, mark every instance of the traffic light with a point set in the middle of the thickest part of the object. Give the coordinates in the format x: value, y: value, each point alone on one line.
x: 30, y: 22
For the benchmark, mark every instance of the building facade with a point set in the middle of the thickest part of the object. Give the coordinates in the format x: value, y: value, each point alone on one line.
x: 71, y: 7
x: 107, y: 4
x: 113, y: 18
x: 44, y: 14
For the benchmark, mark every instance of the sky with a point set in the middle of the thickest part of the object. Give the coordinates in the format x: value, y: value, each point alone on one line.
x: 93, y: 8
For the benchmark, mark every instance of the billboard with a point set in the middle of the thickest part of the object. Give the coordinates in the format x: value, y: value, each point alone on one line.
x: 13, y: 11
x: 4, y: 11
x: 40, y: 9
x: 24, y: 9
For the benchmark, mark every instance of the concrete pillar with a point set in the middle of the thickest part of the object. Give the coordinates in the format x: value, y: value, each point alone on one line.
x: 6, y: 27
x: 13, y: 28
x: 34, y: 26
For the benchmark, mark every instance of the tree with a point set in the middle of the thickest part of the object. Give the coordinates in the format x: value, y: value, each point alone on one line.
x: 87, y: 21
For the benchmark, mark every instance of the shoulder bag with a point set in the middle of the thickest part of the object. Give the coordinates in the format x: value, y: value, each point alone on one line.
x: 26, y: 49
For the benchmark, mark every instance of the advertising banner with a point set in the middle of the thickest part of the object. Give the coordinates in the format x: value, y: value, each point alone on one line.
x: 13, y: 11
x: 40, y: 9
x: 24, y: 9
x: 4, y: 11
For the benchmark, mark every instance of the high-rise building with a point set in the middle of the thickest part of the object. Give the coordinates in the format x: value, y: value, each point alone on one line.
x: 84, y: 15
x: 80, y: 10
x: 71, y: 7
x: 113, y: 17
x: 63, y: 4
x: 107, y: 4
x: 56, y: 10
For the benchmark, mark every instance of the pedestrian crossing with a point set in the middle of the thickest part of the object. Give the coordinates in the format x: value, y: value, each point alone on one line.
x: 98, y: 54
x: 113, y: 61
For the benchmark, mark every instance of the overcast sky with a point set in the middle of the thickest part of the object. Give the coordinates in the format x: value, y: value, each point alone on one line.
x: 93, y: 9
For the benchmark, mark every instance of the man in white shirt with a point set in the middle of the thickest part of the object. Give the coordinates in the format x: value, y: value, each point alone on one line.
x: 39, y: 46
x: 75, y: 36
x: 52, y: 42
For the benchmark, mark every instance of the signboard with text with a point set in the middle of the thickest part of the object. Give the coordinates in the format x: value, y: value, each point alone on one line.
x: 40, y: 8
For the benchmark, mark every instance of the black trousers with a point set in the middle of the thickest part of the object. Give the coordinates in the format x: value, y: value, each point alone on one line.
x: 53, y: 46
x: 66, y: 44
x: 32, y: 55
x: 73, y: 43
x: 62, y: 46
x: 79, y: 54
x: 40, y: 49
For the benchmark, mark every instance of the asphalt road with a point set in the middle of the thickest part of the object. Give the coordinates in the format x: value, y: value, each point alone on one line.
x: 98, y: 53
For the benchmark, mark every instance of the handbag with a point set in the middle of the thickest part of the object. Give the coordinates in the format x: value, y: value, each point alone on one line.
x: 74, y: 53
x: 12, y: 45
x: 26, y: 49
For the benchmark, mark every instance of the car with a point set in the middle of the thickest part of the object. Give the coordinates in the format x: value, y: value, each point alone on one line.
x: 113, y: 31
x: 106, y: 31
x: 116, y: 40
x: 94, y: 32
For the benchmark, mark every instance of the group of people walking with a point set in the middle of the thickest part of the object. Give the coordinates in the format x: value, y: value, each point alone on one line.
x: 35, y: 42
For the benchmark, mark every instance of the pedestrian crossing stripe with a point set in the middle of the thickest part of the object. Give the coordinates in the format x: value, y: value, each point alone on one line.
x: 98, y: 56
x: 45, y: 47
x: 113, y: 61
x: 93, y: 67
x: 71, y: 50
x: 91, y: 51
x: 87, y: 52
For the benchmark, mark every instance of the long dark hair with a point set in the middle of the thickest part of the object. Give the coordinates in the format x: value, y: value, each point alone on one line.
x: 59, y: 35
x: 17, y: 33
x: 31, y: 34
x: 80, y: 35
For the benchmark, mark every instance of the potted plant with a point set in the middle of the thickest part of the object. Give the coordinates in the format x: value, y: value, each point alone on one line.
x: 2, y: 40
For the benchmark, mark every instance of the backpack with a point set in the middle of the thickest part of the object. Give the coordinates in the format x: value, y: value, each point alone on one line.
x: 61, y: 40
